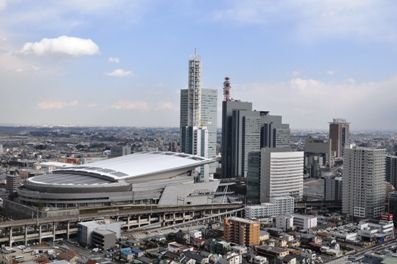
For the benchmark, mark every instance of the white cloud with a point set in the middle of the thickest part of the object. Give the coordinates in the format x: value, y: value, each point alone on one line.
x: 56, y: 104
x: 92, y: 105
x: 3, y: 4
x: 113, y: 60
x: 66, y: 15
x: 308, y: 103
x: 62, y: 45
x: 330, y: 72
x: 119, y: 73
x: 166, y: 106
x: 313, y: 19
x: 130, y: 105
x: 144, y: 106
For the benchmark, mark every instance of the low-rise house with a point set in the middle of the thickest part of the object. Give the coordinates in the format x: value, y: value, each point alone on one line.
x: 260, y: 260
x: 272, y: 253
x: 233, y: 258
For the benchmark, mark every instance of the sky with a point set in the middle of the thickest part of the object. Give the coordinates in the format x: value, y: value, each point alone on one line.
x: 123, y: 62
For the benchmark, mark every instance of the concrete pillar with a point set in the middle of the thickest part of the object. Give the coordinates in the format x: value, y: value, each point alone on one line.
x: 26, y: 235
x: 139, y: 221
x: 128, y: 223
x: 39, y: 234
x: 150, y: 219
x: 173, y: 218
x: 54, y: 231
x: 10, y: 237
x: 67, y: 230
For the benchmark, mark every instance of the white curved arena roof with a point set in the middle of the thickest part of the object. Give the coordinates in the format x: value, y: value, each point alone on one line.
x: 140, y: 164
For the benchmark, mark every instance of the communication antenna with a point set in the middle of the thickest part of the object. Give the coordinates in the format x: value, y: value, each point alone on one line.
x: 226, y: 90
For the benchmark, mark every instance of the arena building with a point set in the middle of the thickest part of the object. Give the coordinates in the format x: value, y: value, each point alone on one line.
x: 162, y: 178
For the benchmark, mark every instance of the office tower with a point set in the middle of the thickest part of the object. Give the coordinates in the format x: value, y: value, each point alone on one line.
x: 245, y: 131
x: 317, y: 156
x: 230, y: 135
x: 364, y: 191
x: 274, y: 173
x: 339, y: 136
x: 209, y: 119
x: 1, y: 149
x: 391, y: 170
x: 241, y: 231
x: 332, y: 188
x: 256, y: 130
x: 198, y: 118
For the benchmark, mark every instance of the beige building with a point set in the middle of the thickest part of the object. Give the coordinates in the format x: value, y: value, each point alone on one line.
x: 241, y: 231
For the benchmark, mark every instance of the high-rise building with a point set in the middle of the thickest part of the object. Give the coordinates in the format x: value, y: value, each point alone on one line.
x: 391, y: 170
x: 363, y: 184
x: 209, y: 119
x: 198, y: 118
x: 339, y: 136
x: 332, y: 188
x: 12, y: 183
x: 245, y: 131
x: 317, y: 156
x: 1, y: 149
x: 242, y: 231
x: 274, y: 173
x: 230, y: 134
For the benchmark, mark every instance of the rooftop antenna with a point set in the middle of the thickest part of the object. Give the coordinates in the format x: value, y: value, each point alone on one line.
x: 226, y: 90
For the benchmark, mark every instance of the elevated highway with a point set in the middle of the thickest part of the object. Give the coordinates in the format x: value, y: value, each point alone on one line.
x: 132, y: 217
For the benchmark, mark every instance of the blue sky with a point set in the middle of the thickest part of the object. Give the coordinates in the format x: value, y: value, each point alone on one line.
x: 123, y: 62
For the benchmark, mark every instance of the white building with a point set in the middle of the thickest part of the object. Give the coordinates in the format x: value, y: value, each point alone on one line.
x: 163, y: 178
x: 86, y: 230
x: 363, y: 187
x: 260, y: 260
x: 233, y: 258
x: 274, y: 172
x: 198, y: 118
x: 369, y: 230
x: 277, y: 206
x: 285, y: 222
x: 305, y: 221
x: 196, y: 234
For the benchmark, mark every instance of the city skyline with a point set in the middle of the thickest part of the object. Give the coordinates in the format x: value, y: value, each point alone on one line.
x: 123, y: 63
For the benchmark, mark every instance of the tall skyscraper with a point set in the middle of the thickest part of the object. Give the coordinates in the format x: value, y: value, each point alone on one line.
x: 339, y: 135
x: 274, y: 173
x: 244, y: 131
x: 209, y: 119
x: 363, y: 183
x: 198, y: 118
x: 391, y: 170
x: 230, y: 135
